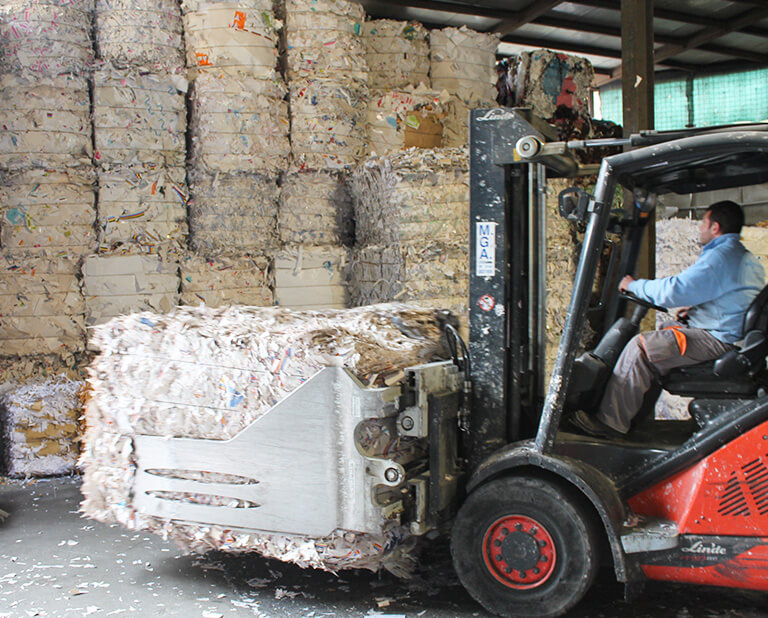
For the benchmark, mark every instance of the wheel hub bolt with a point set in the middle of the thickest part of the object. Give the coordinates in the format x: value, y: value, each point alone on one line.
x: 542, y: 543
x: 518, y: 527
x: 497, y: 543
x: 543, y: 558
x: 536, y: 570
x: 523, y: 574
x: 499, y: 558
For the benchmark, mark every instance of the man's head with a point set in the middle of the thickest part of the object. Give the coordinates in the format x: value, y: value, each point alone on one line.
x: 724, y: 217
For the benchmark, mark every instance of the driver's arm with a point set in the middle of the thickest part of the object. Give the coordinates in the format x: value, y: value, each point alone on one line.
x: 694, y: 286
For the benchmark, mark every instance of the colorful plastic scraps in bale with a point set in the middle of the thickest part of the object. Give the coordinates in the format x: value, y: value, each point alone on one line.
x: 46, y: 122
x: 40, y: 428
x: 315, y: 209
x: 233, y: 38
x: 221, y: 281
x: 232, y: 214
x: 48, y: 213
x: 309, y: 277
x: 46, y: 38
x: 239, y: 124
x: 397, y: 53
x: 142, y: 210
x: 118, y: 284
x: 42, y: 310
x: 144, y: 33
x: 255, y: 357
x: 405, y: 118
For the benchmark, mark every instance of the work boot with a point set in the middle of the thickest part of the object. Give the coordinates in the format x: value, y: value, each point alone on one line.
x: 593, y: 427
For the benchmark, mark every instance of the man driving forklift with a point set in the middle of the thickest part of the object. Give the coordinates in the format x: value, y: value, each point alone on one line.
x: 713, y: 294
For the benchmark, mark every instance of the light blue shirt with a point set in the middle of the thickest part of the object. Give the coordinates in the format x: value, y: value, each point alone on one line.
x: 719, y: 288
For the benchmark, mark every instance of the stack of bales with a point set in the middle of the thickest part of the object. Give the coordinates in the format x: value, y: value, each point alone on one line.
x: 463, y: 63
x: 139, y: 124
x: 239, y: 140
x: 412, y: 210
x: 47, y: 212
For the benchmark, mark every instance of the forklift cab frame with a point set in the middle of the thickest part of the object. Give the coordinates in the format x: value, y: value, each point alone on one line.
x: 533, y: 486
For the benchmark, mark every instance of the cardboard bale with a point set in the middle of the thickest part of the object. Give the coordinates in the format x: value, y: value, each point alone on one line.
x: 146, y: 33
x: 46, y: 122
x: 114, y: 285
x: 142, y: 210
x: 239, y: 124
x: 23, y: 369
x: 232, y: 38
x: 232, y: 214
x: 311, y: 277
x: 139, y: 118
x: 397, y: 53
x: 221, y: 281
x: 48, y: 213
x: 46, y: 38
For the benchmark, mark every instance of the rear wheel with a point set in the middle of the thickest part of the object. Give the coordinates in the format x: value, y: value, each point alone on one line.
x: 523, y: 547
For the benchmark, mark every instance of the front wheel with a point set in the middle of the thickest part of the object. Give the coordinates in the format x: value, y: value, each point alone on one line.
x: 523, y: 547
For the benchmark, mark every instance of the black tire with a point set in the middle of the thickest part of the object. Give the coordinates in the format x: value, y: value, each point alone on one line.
x: 519, y: 516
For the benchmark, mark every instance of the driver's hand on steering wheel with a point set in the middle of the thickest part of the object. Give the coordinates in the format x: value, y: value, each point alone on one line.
x: 624, y: 283
x: 682, y: 314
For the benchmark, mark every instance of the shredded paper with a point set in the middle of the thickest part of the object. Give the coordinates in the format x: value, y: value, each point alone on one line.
x: 221, y: 281
x: 397, y: 53
x: 311, y: 277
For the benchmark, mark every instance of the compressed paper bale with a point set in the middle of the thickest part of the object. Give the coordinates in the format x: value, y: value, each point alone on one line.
x: 139, y: 118
x: 226, y: 281
x: 236, y: 38
x: 397, y: 53
x: 259, y: 355
x: 311, y: 277
x: 463, y: 62
x: 232, y: 214
x: 404, y: 118
x: 146, y: 33
x: 17, y: 370
x: 41, y: 428
x: 239, y: 124
x: 328, y: 122
x: 315, y: 209
x: 41, y: 307
x: 114, y: 285
x: 323, y: 40
x: 413, y: 197
x: 49, y: 213
x: 456, y: 120
x: 45, y: 122
x: 46, y: 38
x: 756, y: 240
x: 142, y: 210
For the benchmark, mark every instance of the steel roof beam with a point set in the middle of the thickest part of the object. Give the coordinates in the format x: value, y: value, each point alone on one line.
x: 528, y: 14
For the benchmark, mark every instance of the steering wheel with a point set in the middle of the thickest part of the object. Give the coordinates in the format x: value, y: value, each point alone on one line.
x: 643, y: 303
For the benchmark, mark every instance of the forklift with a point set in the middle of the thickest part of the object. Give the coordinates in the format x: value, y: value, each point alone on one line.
x: 532, y: 509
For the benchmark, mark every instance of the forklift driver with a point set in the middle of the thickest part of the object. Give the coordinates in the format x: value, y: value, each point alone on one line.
x: 713, y: 294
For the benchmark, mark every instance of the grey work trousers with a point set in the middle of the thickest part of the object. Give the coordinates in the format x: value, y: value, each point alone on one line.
x: 647, y: 356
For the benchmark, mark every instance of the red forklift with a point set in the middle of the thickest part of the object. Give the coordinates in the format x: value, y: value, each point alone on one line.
x: 679, y: 501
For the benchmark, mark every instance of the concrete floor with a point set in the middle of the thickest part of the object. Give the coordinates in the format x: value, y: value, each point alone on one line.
x: 53, y: 563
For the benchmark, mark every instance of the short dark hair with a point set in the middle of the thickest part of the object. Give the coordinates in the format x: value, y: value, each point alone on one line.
x: 728, y: 214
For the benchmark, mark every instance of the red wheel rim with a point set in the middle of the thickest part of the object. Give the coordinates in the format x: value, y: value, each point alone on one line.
x: 519, y: 552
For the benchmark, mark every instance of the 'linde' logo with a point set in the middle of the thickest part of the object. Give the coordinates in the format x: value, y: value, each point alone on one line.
x: 699, y: 547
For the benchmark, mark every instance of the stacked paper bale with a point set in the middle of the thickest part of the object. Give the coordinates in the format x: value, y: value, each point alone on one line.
x: 412, y: 214
x: 397, y: 53
x: 217, y: 281
x: 463, y: 63
x: 184, y: 398
x: 755, y: 238
x: 40, y: 430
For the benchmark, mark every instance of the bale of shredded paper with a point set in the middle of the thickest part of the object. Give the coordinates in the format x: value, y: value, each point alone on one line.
x: 323, y: 40
x: 114, y: 285
x: 49, y: 213
x: 41, y: 307
x: 221, y: 281
x: 239, y: 124
x: 463, y: 62
x: 142, y: 210
x: 234, y: 38
x: 232, y: 214
x: 139, y: 118
x: 315, y: 209
x: 397, y: 53
x: 45, y: 38
x: 311, y: 277
x: 262, y: 355
x: 41, y: 428
x: 145, y: 33
x: 328, y: 122
x: 46, y: 122
x: 405, y: 118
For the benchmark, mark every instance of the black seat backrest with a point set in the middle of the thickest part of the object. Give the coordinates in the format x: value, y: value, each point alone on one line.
x: 756, y: 317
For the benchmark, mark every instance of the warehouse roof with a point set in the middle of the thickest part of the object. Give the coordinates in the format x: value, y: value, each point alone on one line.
x: 690, y: 35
